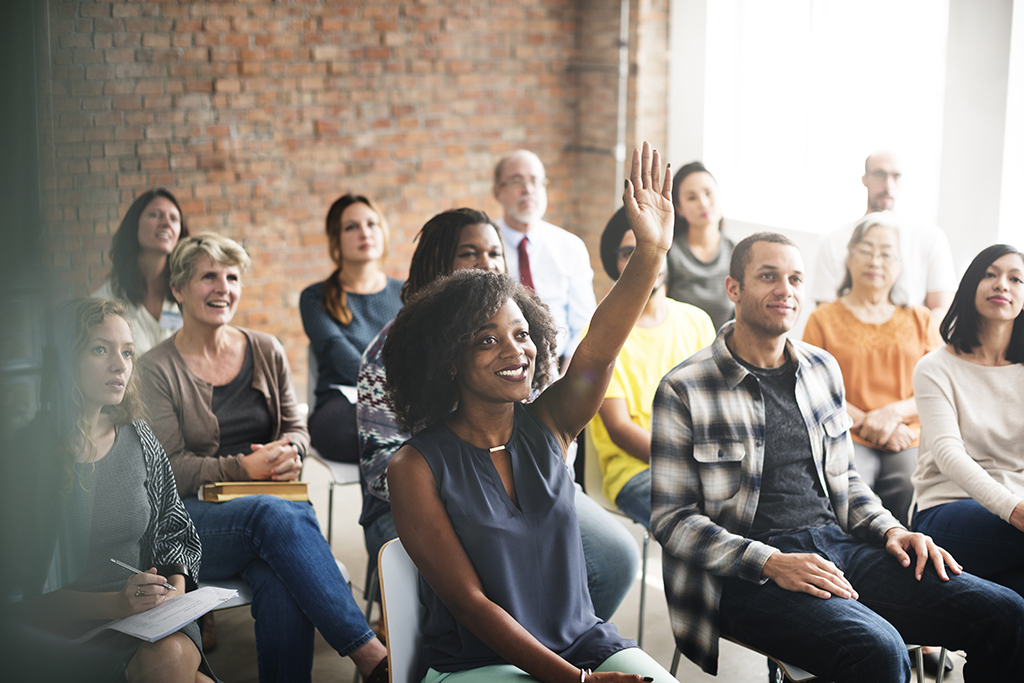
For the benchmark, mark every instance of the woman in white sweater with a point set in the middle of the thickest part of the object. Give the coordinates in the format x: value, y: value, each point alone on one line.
x: 969, y: 482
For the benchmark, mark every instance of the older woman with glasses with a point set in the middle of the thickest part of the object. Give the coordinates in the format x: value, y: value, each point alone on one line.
x: 224, y: 408
x: 877, y: 343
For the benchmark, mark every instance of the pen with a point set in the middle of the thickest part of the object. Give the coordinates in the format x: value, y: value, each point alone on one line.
x: 138, y: 571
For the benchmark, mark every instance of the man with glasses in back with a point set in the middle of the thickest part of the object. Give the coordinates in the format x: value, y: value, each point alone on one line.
x: 552, y: 262
x: 928, y: 279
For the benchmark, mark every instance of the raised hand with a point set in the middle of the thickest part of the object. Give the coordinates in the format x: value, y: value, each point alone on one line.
x: 648, y: 199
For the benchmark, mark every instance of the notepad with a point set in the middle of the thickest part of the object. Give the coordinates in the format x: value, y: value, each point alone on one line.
x: 169, y: 616
x: 220, y: 491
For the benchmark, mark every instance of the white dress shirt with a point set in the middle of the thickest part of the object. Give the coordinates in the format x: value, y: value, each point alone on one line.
x: 562, y: 276
x: 924, y: 254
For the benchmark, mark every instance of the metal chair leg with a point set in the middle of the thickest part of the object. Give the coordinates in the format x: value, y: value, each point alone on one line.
x: 675, y: 662
x: 643, y: 590
x: 942, y: 666
x: 919, y: 664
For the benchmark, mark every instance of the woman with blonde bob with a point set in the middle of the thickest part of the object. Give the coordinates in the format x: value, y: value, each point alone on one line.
x: 342, y: 315
x: 104, y: 490
x: 224, y: 407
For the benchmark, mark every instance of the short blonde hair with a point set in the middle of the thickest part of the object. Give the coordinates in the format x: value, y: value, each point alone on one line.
x: 220, y: 249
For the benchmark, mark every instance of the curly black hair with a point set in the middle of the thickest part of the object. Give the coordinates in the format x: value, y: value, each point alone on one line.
x: 431, y: 334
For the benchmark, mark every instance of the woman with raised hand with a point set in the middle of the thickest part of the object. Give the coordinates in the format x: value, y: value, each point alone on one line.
x: 480, y: 495
x: 877, y: 343
x: 224, y: 407
x: 699, y: 258
x: 462, y: 239
x: 969, y: 482
x: 141, y: 246
x: 109, y: 493
x: 342, y: 315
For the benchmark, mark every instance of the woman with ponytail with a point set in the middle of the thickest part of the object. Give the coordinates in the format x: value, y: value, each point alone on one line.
x: 342, y: 315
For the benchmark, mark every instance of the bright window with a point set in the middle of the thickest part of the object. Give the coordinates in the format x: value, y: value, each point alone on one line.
x: 798, y: 92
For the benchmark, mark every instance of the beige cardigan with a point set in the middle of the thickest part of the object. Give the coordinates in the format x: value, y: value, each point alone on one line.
x: 182, y: 419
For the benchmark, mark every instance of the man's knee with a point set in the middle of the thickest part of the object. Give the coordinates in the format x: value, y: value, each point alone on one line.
x: 872, y: 654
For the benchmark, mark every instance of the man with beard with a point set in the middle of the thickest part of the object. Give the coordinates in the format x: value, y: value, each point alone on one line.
x: 770, y: 536
x: 549, y: 260
x: 928, y: 279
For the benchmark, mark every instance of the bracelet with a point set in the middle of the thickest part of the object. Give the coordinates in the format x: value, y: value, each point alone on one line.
x: 584, y: 673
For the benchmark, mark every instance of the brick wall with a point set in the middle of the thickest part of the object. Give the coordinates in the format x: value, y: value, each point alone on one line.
x: 257, y: 114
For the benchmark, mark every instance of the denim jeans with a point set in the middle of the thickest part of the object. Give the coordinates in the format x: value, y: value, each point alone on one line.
x: 277, y: 547
x: 634, y: 498
x: 979, y: 540
x: 611, y: 553
x: 863, y: 640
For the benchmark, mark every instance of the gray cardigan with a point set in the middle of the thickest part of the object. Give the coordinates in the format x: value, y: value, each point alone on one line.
x: 182, y: 419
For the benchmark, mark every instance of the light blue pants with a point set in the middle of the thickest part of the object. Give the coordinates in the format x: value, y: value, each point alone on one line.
x: 631, y: 661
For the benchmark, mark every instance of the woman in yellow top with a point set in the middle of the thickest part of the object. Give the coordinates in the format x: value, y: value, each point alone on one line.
x: 877, y: 343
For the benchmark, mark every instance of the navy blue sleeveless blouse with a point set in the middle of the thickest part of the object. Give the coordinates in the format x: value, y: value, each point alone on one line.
x: 530, y: 560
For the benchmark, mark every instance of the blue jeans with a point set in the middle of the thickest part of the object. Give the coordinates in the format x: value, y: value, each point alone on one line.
x: 863, y: 640
x: 277, y: 547
x: 611, y: 553
x: 634, y: 498
x: 979, y: 540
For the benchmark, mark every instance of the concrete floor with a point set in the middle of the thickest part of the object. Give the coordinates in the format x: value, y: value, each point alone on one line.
x: 234, y: 660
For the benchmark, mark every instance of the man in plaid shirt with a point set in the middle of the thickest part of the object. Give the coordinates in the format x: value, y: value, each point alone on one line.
x: 769, y: 534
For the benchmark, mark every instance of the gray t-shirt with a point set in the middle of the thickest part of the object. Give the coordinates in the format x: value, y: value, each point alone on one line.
x: 791, y: 497
x: 700, y: 284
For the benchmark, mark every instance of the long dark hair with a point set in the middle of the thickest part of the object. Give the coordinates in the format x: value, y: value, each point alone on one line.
x: 335, y: 301
x: 436, y: 245
x: 126, y: 278
x: 959, y: 328
x: 683, y: 225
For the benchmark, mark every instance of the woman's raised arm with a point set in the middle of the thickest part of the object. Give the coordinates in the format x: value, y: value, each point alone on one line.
x: 569, y: 404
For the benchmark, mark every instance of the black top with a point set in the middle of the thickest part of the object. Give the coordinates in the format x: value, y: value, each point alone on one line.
x: 241, y: 412
x: 791, y: 497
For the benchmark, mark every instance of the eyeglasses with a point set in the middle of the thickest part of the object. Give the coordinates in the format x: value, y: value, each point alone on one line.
x: 521, y: 182
x: 879, y: 174
x: 624, y: 253
x: 870, y: 255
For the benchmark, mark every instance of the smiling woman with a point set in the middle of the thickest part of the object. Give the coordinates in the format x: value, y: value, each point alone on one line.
x: 148, y: 233
x: 969, y: 482
x: 481, y: 496
x: 224, y: 407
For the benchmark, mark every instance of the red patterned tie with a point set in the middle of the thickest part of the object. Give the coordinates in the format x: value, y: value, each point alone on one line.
x: 524, y: 265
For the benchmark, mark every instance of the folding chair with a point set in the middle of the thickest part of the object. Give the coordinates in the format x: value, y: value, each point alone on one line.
x: 593, y: 485
x: 340, y: 473
x: 403, y: 611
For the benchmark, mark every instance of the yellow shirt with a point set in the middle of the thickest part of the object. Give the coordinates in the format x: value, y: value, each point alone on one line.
x: 648, y: 354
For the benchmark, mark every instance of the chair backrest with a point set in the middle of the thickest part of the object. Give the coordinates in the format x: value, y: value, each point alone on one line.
x: 312, y: 374
x: 593, y: 478
x: 403, y: 611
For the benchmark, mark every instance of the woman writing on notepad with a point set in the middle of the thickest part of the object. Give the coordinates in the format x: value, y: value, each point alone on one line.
x: 101, y: 488
x: 224, y: 408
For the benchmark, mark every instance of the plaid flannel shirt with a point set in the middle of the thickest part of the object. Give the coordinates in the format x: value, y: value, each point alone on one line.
x: 707, y: 452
